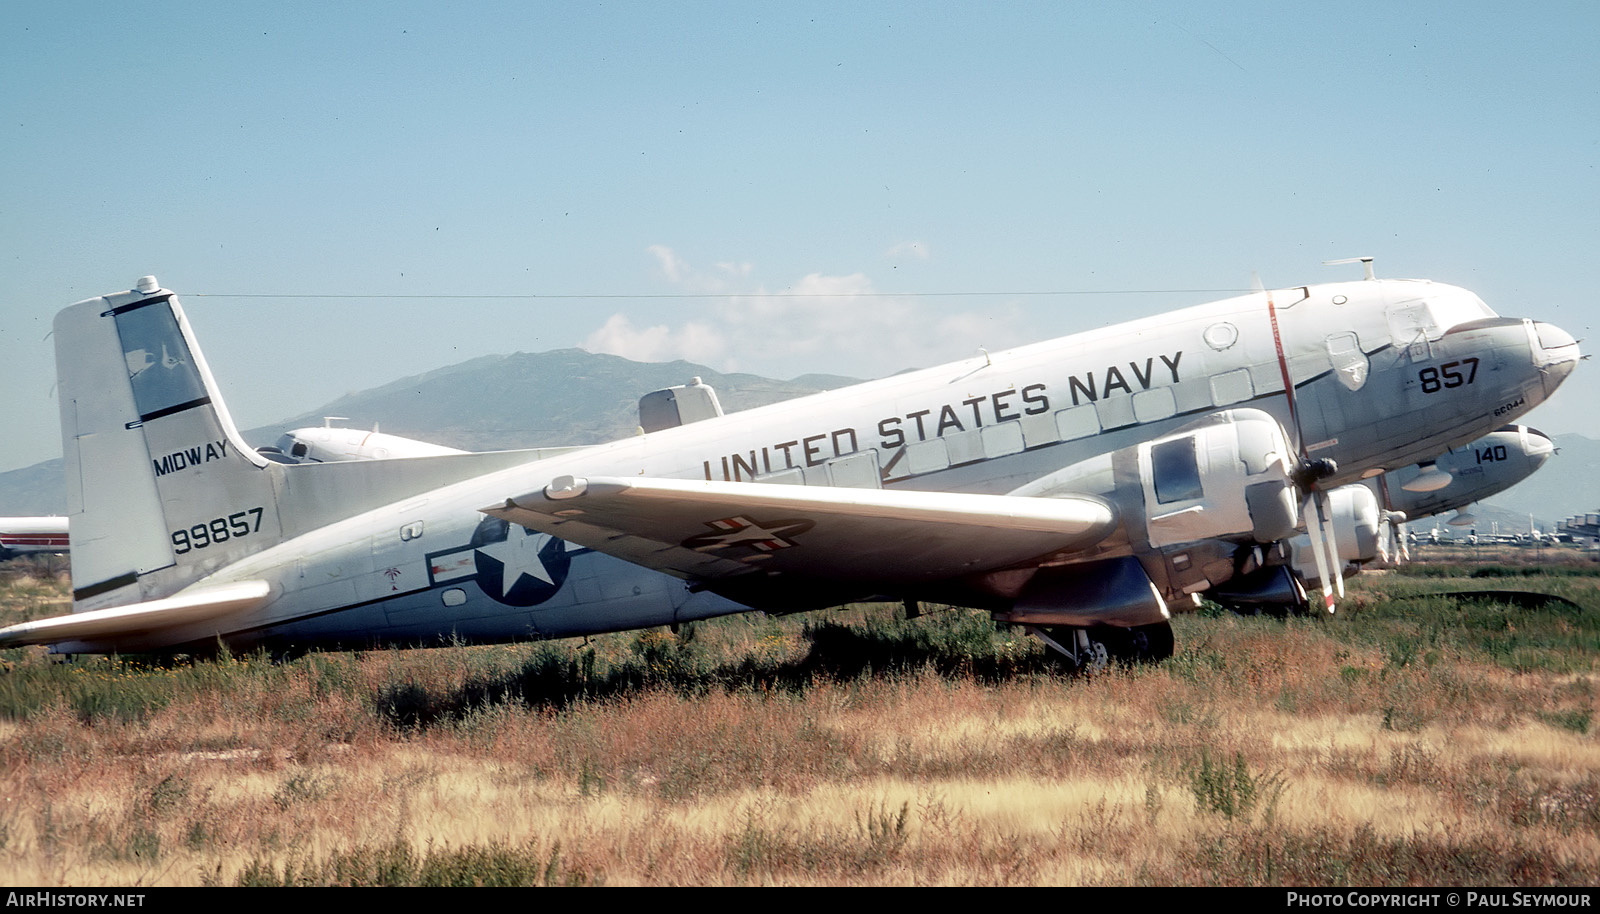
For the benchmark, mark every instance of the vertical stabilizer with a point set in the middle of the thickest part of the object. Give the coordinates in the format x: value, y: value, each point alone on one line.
x: 161, y: 490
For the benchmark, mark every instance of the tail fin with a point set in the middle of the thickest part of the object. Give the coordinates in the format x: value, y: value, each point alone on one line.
x: 161, y: 489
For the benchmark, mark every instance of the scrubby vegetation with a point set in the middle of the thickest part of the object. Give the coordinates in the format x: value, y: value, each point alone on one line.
x: 1411, y: 738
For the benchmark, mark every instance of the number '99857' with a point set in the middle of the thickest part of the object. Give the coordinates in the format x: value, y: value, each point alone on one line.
x: 217, y: 530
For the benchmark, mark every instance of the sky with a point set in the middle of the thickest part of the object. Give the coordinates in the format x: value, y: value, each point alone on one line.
x: 338, y: 191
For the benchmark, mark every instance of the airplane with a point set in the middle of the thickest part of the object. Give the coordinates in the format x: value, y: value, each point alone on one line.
x: 328, y: 443
x: 1083, y: 488
x: 1369, y: 515
x: 30, y: 535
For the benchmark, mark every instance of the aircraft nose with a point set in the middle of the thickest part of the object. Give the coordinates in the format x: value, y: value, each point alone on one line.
x: 1557, y: 354
x: 1536, y: 445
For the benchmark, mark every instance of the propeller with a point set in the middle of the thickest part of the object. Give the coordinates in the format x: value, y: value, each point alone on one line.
x: 1392, y: 538
x: 1392, y: 544
x: 1315, y: 509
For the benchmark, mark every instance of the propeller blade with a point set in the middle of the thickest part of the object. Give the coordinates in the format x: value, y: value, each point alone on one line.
x: 1331, y: 541
x: 1312, y: 511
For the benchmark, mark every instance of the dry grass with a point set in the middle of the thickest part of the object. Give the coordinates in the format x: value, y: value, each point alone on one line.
x: 1410, y: 740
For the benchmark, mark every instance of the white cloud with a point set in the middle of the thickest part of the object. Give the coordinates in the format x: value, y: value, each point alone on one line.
x: 694, y: 341
x: 672, y: 266
x: 820, y: 323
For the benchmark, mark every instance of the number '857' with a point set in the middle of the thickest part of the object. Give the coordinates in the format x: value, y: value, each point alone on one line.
x: 1448, y: 375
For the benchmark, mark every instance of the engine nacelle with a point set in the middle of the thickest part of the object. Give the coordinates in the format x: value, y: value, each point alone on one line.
x: 1223, y: 477
x: 1189, y: 499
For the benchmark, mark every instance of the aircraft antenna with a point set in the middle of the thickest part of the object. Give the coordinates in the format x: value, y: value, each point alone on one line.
x: 1366, y: 264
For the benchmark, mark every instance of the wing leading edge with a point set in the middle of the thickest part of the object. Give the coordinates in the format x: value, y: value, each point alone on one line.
x: 867, y: 539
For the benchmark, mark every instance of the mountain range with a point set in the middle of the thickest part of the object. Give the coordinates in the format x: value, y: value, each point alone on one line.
x: 570, y: 396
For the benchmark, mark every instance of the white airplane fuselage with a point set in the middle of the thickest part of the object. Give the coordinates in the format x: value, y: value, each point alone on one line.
x: 1388, y: 373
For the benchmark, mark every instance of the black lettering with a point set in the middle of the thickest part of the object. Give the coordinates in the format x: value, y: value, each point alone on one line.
x: 1001, y: 407
x: 708, y: 468
x: 1086, y: 385
x: 1112, y: 372
x: 893, y: 437
x: 922, y: 433
x: 739, y: 464
x: 1041, y: 402
x: 788, y: 461
x: 725, y: 474
x: 813, y: 454
x: 1149, y: 369
x: 1172, y: 364
x: 977, y: 418
x: 947, y: 418
x: 194, y: 455
x: 836, y: 435
x: 766, y: 460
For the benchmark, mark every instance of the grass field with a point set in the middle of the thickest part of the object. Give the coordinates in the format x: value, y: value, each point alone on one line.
x: 1410, y: 739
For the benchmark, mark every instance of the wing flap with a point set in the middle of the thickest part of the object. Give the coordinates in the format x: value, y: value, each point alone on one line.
x: 199, y: 605
x: 706, y: 530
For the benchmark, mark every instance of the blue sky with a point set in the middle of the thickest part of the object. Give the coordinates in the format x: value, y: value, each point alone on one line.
x: 739, y: 150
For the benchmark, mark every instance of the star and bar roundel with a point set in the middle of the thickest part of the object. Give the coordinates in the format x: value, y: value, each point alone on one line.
x: 510, y: 563
x: 742, y: 532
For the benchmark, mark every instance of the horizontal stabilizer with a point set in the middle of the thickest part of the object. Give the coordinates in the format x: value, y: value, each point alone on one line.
x: 710, y: 530
x: 199, y: 605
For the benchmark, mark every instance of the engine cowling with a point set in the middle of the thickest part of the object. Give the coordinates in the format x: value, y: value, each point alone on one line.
x: 1223, y: 477
x: 1188, y: 500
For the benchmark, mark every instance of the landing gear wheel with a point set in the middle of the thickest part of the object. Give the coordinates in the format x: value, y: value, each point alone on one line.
x: 1151, y: 643
x: 1083, y: 650
x: 1095, y: 657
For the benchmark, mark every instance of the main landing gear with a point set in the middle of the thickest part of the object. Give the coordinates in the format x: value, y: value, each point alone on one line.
x: 1094, y: 648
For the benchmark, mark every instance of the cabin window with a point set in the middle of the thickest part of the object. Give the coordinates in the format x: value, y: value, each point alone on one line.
x: 1003, y: 439
x: 1153, y: 405
x: 1078, y: 422
x: 927, y: 456
x: 857, y: 471
x: 1176, y: 470
x: 1232, y: 387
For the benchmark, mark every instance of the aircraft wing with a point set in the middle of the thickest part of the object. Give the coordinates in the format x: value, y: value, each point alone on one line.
x: 707, y: 530
x: 140, y: 618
